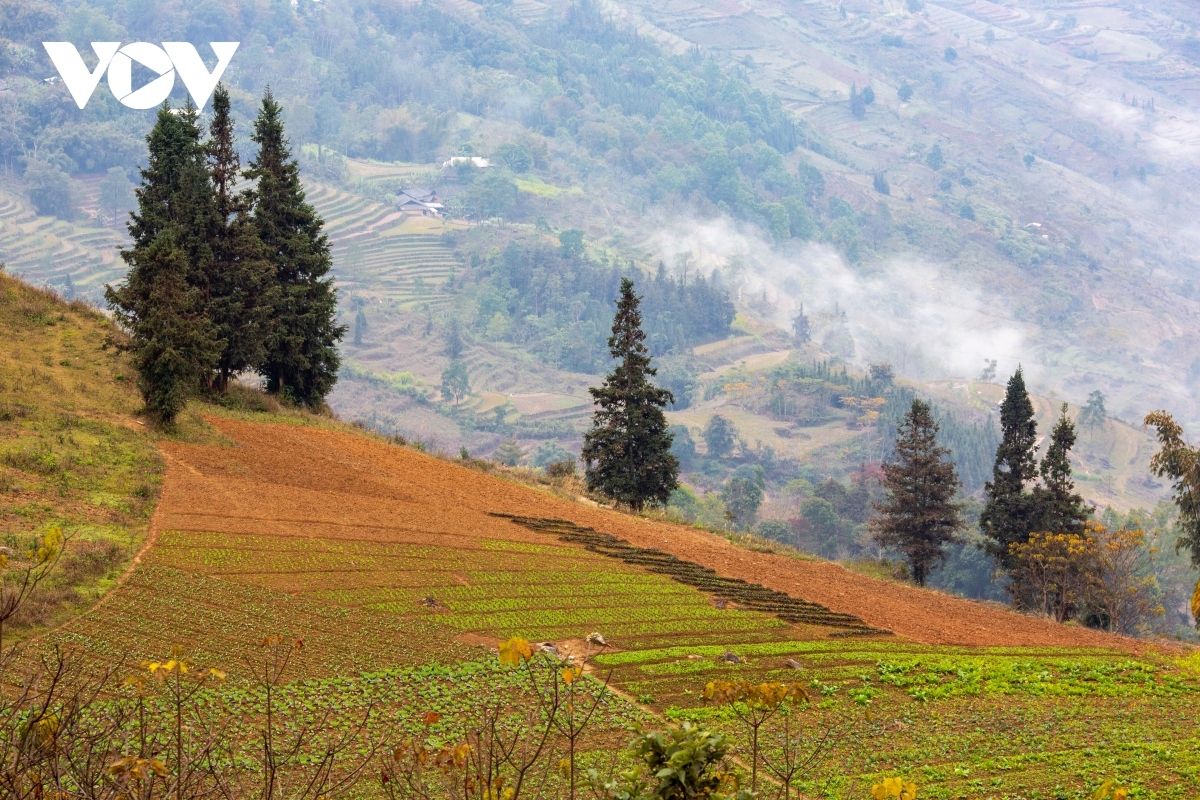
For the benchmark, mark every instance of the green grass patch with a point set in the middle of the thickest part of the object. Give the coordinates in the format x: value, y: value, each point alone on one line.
x: 540, y: 188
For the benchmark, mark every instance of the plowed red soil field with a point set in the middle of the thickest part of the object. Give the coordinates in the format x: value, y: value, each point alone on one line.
x: 293, y: 481
x: 389, y: 562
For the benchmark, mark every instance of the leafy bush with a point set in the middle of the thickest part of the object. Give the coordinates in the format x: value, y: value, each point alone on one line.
x: 51, y: 191
x: 775, y: 530
x: 551, y: 453
x: 562, y: 469
x: 685, y: 763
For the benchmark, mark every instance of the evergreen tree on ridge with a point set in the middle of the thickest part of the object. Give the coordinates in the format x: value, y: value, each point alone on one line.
x: 1010, y: 512
x: 627, y: 453
x: 1061, y: 508
x: 919, y: 516
x: 301, y: 349
x: 241, y: 286
x: 162, y: 301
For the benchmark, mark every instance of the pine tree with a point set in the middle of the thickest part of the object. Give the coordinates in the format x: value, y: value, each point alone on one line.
x: 176, y: 191
x: 918, y: 516
x: 162, y: 300
x: 241, y: 289
x: 1010, y: 512
x: 1061, y: 509
x: 171, y: 334
x: 857, y: 107
x: 800, y: 327
x: 627, y: 452
x: 301, y: 350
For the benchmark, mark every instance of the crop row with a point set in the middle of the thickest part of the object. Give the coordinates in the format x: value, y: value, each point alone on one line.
x: 570, y: 591
x: 223, y: 622
x: 613, y: 622
x: 751, y: 596
x: 324, y: 553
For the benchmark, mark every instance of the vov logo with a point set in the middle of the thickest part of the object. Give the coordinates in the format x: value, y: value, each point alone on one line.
x: 172, y: 57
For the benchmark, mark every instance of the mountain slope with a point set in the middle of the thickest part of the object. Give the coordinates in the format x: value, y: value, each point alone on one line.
x: 1084, y: 251
x: 282, y: 483
x: 73, y: 455
x: 379, y: 556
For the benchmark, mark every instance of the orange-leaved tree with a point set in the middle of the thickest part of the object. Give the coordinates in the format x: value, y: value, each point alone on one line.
x: 1126, y: 594
x: 1054, y: 570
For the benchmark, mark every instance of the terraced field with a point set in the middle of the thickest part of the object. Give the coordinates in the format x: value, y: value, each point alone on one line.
x: 491, y: 587
x: 961, y: 723
x: 394, y: 565
x: 379, y: 254
x: 376, y: 251
x: 46, y: 250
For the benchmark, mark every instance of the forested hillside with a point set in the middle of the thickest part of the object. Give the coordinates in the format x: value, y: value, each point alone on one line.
x: 917, y: 141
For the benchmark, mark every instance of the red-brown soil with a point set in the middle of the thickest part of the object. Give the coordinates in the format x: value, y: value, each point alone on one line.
x: 304, y: 481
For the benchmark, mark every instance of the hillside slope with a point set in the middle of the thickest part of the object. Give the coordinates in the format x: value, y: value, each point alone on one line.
x: 393, y: 567
x: 380, y: 557
x: 1068, y: 131
x: 73, y: 455
x: 289, y: 481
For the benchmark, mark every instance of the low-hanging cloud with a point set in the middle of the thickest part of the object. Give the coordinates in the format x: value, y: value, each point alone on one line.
x: 928, y: 321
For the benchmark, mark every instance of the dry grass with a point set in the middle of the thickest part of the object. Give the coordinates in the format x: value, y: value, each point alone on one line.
x: 73, y: 452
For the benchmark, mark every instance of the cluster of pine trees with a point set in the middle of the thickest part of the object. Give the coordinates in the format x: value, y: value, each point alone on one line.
x: 920, y: 516
x: 1025, y: 496
x: 223, y: 281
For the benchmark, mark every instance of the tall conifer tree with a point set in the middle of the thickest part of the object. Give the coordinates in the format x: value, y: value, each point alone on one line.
x: 627, y: 452
x: 241, y: 286
x: 1061, y: 508
x: 162, y: 300
x: 1010, y: 512
x: 301, y: 358
x: 919, y: 516
x: 171, y: 332
x: 176, y: 191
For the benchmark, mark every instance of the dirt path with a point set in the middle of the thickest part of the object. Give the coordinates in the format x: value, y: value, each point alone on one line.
x: 298, y: 481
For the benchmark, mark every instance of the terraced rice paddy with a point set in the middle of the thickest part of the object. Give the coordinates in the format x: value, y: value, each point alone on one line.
x: 46, y: 250
x: 375, y: 250
x: 378, y: 253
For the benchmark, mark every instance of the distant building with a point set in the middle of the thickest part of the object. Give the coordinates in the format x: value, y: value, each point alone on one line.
x: 419, y: 201
x: 478, y: 161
